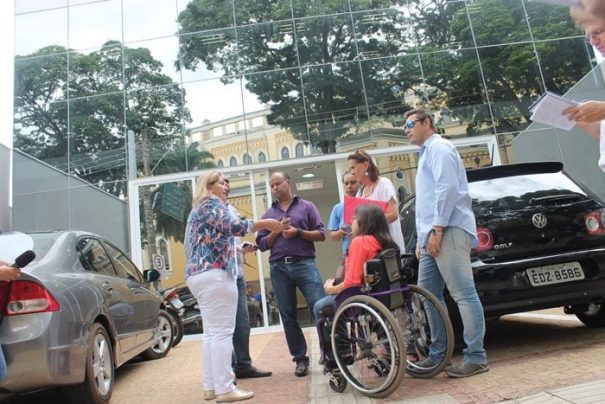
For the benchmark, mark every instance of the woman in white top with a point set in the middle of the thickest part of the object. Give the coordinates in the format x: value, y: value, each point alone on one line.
x: 373, y: 186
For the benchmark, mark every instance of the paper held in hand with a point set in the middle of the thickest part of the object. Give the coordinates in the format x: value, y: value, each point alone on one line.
x: 549, y: 111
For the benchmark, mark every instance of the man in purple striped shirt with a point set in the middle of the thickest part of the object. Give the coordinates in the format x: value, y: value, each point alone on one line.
x: 292, y: 260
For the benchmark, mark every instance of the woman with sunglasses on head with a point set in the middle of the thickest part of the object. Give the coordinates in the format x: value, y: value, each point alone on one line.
x: 373, y: 186
x: 211, y: 276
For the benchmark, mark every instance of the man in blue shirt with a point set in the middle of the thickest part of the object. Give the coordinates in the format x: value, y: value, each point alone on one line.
x: 336, y: 224
x: 446, y: 229
x: 292, y: 260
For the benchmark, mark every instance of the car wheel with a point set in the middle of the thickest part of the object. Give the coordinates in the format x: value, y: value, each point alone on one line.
x: 163, y: 338
x: 593, y: 316
x: 99, y: 372
x: 178, y: 329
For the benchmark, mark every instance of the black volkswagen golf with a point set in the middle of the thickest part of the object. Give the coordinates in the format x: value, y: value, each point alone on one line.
x: 541, y: 241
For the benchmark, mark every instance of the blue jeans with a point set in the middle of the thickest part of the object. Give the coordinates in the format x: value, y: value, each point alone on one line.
x: 322, y: 304
x: 2, y: 364
x: 303, y: 274
x: 241, y: 334
x: 452, y: 268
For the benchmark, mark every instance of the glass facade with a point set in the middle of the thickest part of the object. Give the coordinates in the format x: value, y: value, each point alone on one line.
x: 87, y: 72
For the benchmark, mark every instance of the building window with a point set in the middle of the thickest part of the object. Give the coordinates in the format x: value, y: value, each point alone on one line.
x: 299, y: 151
x: 232, y: 161
x: 247, y: 159
x: 285, y: 153
x: 262, y: 157
x: 220, y: 163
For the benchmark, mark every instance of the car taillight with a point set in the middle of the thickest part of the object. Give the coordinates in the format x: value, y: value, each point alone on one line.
x: 486, y: 241
x: 595, y: 222
x: 25, y: 297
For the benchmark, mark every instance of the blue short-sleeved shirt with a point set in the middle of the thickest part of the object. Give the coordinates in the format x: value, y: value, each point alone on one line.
x: 337, y: 220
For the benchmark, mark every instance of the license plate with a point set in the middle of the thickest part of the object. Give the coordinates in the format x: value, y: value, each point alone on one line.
x: 557, y: 273
x: 176, y: 302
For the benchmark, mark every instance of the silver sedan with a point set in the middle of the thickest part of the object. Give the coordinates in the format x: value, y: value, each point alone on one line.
x: 77, y: 312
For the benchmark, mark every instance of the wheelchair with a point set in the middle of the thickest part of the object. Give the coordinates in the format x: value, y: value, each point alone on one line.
x: 371, y: 330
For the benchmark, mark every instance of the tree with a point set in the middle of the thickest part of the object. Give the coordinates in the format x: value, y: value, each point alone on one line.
x: 367, y: 65
x: 99, y: 114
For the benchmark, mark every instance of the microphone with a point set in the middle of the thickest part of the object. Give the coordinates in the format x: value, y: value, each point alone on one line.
x: 24, y: 259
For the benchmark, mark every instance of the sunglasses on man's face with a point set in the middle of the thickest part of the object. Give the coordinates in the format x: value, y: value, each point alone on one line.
x: 411, y: 123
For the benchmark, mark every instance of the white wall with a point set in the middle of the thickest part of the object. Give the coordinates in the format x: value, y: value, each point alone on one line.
x: 7, y: 25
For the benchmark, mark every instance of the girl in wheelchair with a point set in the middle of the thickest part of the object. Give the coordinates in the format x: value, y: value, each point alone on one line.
x: 370, y: 235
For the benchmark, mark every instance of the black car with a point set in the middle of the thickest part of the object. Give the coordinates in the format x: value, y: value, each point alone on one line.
x: 541, y: 241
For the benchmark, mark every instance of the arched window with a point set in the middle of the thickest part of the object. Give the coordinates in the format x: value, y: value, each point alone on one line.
x: 299, y: 151
x: 220, y: 163
x: 285, y: 153
x: 232, y: 161
x: 247, y: 159
x: 262, y: 157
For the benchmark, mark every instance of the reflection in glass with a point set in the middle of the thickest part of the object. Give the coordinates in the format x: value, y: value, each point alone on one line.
x: 160, y: 54
x: 385, y: 32
x: 266, y: 46
x: 441, y: 24
x: 26, y: 6
x: 325, y: 39
x: 40, y: 130
x: 144, y: 19
x: 97, y: 141
x: 92, y: 25
x: 213, y: 100
x: 40, y: 80
x: 96, y: 72
x: 307, y: 8
x: 41, y: 32
x: 335, y: 103
x: 255, y: 11
x: 208, y: 54
x: 203, y: 15
x: 499, y: 22
x: 548, y: 21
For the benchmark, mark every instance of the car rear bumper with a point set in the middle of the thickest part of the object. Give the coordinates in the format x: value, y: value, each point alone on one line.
x: 505, y: 287
x: 38, y: 357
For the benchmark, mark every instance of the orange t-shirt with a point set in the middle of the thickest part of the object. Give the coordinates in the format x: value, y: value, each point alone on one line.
x: 362, y: 248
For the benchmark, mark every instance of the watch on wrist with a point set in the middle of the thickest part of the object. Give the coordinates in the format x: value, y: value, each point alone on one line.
x: 298, y: 233
x: 437, y: 231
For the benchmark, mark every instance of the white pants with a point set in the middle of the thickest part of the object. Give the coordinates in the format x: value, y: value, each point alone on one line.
x: 216, y: 293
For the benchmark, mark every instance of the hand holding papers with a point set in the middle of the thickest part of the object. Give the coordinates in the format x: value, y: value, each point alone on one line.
x: 549, y: 111
x: 351, y: 203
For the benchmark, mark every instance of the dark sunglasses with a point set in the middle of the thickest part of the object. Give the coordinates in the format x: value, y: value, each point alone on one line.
x: 411, y: 123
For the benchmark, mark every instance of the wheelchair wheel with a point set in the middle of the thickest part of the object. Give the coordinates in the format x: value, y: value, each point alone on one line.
x: 421, y: 313
x: 368, y: 346
x: 337, y: 382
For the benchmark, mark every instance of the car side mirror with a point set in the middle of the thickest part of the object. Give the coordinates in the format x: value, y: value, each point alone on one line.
x: 151, y: 275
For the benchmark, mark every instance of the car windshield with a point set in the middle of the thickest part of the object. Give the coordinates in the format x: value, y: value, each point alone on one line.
x: 14, y: 244
x: 524, y: 190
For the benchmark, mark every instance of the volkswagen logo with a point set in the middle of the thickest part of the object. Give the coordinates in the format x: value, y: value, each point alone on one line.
x: 539, y: 220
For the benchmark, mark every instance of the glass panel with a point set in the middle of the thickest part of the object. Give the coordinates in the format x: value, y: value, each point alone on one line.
x: 550, y: 22
x: 40, y: 80
x: 393, y: 86
x: 383, y: 33
x: 156, y: 116
x: 440, y: 24
x: 157, y: 58
x: 335, y: 104
x: 325, y: 39
x: 282, y: 114
x: 255, y: 11
x: 360, y: 5
x: 124, y: 267
x: 94, y: 258
x: 306, y: 8
x: 209, y: 54
x: 196, y: 16
x: 41, y: 33
x: 145, y: 19
x: 41, y: 131
x: 455, y: 92
x: 499, y: 22
x: 94, y: 24
x: 564, y: 62
x: 99, y: 71
x: 97, y: 142
x: 25, y: 6
x: 511, y: 87
x: 266, y: 46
